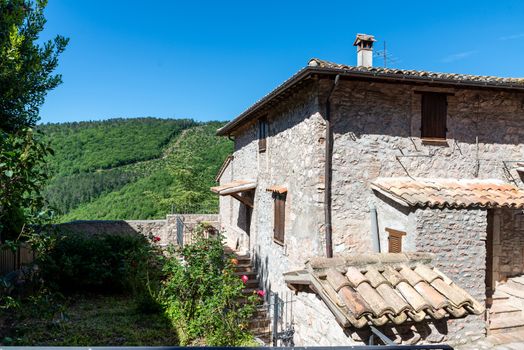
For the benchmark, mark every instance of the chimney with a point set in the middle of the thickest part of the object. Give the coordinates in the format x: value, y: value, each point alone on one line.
x: 364, y: 44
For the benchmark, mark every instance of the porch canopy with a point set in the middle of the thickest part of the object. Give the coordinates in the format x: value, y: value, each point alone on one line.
x: 238, y: 189
x: 451, y: 193
x: 382, y: 288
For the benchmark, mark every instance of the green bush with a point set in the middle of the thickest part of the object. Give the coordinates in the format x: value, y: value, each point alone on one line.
x: 77, y: 262
x: 202, y: 296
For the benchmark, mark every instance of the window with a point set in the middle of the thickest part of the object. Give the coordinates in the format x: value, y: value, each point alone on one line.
x: 279, y: 218
x: 262, y: 134
x: 395, y: 240
x: 434, y: 114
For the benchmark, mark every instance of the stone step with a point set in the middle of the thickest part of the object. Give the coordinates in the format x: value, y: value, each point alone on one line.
x: 503, y: 307
x: 499, y: 295
x: 503, y: 310
x: 249, y: 291
x: 252, y: 283
x: 250, y: 274
x: 260, y: 331
x: 243, y: 269
x: 519, y: 280
x: 512, y: 288
x: 506, y: 324
x: 243, y: 264
x: 258, y: 323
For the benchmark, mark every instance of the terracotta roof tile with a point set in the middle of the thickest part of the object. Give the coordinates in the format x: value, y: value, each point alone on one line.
x: 384, y: 288
x: 453, y: 193
x: 315, y: 62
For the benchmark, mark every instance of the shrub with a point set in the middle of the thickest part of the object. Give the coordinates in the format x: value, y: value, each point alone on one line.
x: 202, y: 295
x: 76, y: 262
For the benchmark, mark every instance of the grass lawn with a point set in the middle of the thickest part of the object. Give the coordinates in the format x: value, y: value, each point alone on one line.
x: 85, y: 320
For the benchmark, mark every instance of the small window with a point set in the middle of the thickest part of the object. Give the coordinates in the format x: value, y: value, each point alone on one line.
x: 262, y: 134
x: 395, y: 240
x: 434, y: 116
x: 279, y: 218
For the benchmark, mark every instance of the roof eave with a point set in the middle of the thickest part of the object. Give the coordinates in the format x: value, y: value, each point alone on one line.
x: 386, y: 77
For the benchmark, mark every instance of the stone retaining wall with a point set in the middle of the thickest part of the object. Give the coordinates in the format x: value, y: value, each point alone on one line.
x: 166, y: 229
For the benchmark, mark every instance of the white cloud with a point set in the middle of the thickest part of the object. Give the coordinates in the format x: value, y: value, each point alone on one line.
x: 512, y: 37
x: 458, y: 56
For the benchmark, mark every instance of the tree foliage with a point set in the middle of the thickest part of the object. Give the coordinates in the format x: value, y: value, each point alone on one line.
x: 26, y: 67
x: 26, y: 75
x: 22, y: 175
x: 90, y: 146
x: 178, y: 178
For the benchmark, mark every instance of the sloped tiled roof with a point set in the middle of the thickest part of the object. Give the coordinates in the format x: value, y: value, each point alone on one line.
x: 401, y: 73
x: 321, y: 67
x: 452, y: 193
x: 380, y: 288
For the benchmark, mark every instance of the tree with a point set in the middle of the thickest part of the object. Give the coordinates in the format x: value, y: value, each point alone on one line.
x: 26, y: 75
x: 26, y: 67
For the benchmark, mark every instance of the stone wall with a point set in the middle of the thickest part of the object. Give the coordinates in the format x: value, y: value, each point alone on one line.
x: 293, y: 159
x: 165, y: 229
x: 376, y: 134
x: 508, y: 243
x: 457, y: 237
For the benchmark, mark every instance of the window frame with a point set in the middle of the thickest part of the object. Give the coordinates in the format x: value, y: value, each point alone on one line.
x: 430, y: 128
x: 395, y: 235
x: 263, y: 131
x: 279, y: 217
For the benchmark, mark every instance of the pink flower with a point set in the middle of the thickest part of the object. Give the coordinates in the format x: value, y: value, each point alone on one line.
x: 156, y: 239
x: 261, y: 293
x: 244, y: 279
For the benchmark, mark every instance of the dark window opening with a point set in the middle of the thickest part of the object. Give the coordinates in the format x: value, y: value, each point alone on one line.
x: 395, y: 240
x: 279, y: 218
x: 434, y: 116
x: 262, y: 134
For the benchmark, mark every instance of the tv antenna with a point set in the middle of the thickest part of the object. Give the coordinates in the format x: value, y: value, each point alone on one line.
x: 385, y: 55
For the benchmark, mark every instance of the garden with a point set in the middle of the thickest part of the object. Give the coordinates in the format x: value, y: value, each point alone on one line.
x: 125, y: 290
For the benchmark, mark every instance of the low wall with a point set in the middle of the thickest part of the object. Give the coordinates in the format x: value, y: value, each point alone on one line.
x: 165, y: 229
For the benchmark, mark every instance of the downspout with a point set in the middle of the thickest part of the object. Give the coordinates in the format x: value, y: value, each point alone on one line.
x: 374, y: 229
x: 328, y: 172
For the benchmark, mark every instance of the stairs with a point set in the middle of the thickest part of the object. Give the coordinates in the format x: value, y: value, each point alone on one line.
x: 506, y: 311
x: 259, y: 325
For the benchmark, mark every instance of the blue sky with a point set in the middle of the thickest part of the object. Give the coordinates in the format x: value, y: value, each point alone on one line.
x: 210, y: 60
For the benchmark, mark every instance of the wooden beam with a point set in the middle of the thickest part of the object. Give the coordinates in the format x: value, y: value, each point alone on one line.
x: 245, y: 200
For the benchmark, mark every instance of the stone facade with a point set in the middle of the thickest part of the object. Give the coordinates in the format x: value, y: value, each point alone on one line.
x: 376, y: 129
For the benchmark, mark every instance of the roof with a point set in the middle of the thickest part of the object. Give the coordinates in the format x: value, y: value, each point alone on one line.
x: 223, y: 167
x: 452, y: 193
x: 234, y: 187
x: 382, y: 288
x: 321, y: 67
x: 404, y: 73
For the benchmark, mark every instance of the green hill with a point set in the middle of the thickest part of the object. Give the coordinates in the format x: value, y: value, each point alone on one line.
x: 133, y: 168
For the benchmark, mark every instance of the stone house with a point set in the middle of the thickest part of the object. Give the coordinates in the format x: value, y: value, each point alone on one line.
x: 383, y: 197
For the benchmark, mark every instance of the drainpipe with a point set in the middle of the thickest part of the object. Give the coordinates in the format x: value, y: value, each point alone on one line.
x: 375, y: 238
x: 328, y: 172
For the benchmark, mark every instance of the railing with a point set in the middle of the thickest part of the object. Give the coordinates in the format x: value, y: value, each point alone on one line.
x: 12, y: 260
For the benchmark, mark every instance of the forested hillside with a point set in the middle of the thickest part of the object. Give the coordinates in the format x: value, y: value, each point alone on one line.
x: 133, y: 168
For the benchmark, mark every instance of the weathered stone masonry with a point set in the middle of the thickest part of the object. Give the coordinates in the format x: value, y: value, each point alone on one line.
x: 376, y: 130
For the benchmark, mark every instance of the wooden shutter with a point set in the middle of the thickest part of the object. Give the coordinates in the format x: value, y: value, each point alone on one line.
x: 279, y: 217
x: 262, y: 134
x: 395, y: 240
x: 434, y: 114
